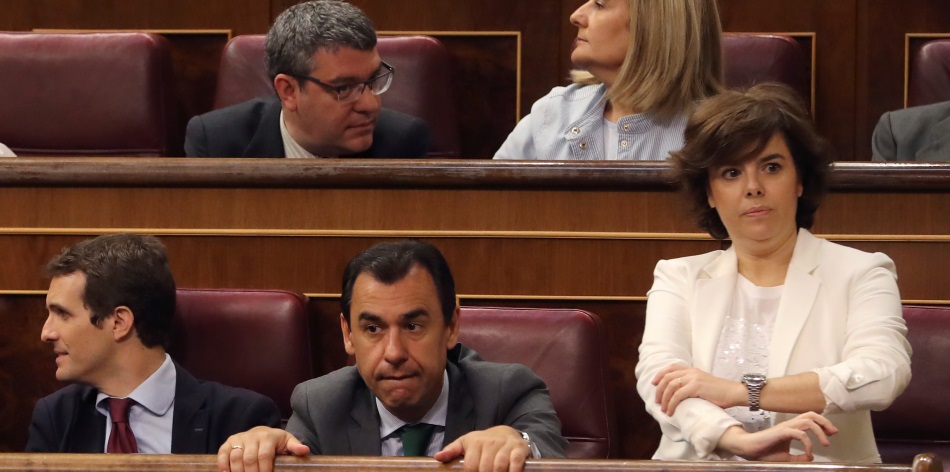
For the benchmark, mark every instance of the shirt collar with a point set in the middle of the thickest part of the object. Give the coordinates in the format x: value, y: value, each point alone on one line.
x: 292, y: 149
x: 156, y: 394
x: 389, y: 422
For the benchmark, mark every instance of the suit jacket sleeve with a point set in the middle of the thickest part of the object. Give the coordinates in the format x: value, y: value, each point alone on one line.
x: 43, y: 437
x: 301, y: 423
x: 530, y: 410
x: 196, y: 138
x: 875, y: 365
x: 667, y: 341
x: 883, y: 146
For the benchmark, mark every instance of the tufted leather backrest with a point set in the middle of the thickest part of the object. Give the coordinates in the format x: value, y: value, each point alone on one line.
x: 929, y: 74
x: 749, y: 59
x: 95, y: 94
x: 421, y: 87
x: 254, y: 339
x: 919, y: 420
x: 566, y: 349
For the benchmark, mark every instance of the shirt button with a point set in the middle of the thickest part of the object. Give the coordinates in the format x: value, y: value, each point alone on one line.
x: 623, y: 143
x: 575, y: 131
x: 583, y: 145
x: 626, y: 127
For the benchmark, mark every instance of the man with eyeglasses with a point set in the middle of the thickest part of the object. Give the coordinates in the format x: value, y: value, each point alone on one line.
x: 321, y: 57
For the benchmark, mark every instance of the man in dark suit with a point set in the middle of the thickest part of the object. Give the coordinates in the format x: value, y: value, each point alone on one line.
x: 414, y: 390
x: 914, y: 134
x: 321, y: 57
x: 110, y: 303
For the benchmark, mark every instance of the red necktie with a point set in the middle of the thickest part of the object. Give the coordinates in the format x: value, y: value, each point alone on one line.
x: 121, y: 440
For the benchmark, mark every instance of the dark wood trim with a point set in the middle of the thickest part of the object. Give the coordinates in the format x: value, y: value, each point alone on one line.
x: 365, y: 173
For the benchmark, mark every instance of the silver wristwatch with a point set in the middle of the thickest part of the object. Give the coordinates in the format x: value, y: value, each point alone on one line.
x: 754, y: 384
x: 535, y: 452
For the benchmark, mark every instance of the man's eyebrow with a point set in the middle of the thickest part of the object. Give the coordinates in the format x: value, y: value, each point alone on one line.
x: 366, y: 316
x: 414, y: 314
x: 352, y: 79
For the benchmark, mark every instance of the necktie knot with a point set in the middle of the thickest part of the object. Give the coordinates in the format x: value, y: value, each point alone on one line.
x: 415, y: 439
x: 119, y: 409
x: 121, y: 440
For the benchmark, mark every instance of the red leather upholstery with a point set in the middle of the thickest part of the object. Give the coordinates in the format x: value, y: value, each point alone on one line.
x: 243, y: 74
x: 421, y: 87
x: 566, y: 349
x: 919, y: 420
x: 87, y: 95
x: 929, y: 75
x: 749, y: 59
x: 254, y: 339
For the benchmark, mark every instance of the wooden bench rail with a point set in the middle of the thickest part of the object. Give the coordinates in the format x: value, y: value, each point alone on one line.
x: 416, y: 173
x: 175, y: 463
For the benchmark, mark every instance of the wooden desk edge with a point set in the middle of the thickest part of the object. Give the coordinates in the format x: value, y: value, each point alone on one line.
x: 416, y: 173
x: 155, y: 462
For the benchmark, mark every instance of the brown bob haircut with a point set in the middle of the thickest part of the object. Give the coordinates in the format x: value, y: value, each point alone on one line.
x: 733, y: 128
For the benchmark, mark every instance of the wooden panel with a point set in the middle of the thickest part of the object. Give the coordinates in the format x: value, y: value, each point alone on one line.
x: 881, y: 27
x: 835, y: 43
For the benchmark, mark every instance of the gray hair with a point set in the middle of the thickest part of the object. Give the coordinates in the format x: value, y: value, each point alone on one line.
x: 303, y: 29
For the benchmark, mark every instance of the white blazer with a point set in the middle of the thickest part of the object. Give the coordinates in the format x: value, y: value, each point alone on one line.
x: 839, y: 316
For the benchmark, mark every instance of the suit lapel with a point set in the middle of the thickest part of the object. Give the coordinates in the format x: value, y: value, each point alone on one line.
x: 191, y: 419
x: 460, y: 415
x: 267, y: 141
x: 363, y: 428
x: 87, y: 433
x: 713, y: 300
x: 798, y: 297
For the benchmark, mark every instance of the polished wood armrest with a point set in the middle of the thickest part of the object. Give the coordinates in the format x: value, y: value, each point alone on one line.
x: 162, y: 462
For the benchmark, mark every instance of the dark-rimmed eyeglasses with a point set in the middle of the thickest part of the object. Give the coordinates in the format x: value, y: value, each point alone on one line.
x: 348, y: 93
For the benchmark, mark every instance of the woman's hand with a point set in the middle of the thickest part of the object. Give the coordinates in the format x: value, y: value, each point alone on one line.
x: 677, y: 383
x: 774, y: 444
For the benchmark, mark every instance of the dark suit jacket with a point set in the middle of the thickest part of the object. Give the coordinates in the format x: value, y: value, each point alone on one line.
x: 252, y: 129
x: 336, y: 414
x: 206, y: 413
x: 913, y: 134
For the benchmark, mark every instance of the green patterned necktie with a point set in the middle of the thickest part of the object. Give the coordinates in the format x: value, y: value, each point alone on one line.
x: 415, y: 439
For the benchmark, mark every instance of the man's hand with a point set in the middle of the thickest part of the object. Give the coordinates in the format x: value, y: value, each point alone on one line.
x: 773, y: 444
x: 496, y: 449
x: 254, y: 450
x: 677, y: 383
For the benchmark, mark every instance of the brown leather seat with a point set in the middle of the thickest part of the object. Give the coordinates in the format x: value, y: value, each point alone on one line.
x: 100, y: 94
x: 421, y: 87
x: 566, y: 349
x: 929, y: 74
x: 919, y: 420
x: 254, y: 339
x: 749, y: 59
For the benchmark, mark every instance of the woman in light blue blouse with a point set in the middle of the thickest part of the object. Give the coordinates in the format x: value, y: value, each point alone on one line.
x: 642, y: 64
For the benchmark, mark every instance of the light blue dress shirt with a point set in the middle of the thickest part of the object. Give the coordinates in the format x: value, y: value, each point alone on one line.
x: 153, y: 412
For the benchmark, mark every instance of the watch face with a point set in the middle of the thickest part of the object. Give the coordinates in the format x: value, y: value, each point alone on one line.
x: 753, y: 379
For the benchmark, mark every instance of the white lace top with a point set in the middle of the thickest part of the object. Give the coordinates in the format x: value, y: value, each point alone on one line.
x: 744, y: 343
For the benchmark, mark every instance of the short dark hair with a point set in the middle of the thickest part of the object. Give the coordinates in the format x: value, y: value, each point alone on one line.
x: 390, y: 262
x: 124, y: 270
x: 303, y: 29
x: 732, y: 128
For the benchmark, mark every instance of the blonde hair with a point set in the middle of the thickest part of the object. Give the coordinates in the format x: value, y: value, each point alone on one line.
x: 673, y: 59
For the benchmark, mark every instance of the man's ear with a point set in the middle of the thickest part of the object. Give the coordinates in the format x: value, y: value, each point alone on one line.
x: 347, y: 342
x: 123, y: 323
x: 453, y: 328
x: 287, y: 89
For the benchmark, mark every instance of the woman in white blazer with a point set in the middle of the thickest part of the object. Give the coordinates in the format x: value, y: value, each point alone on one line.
x: 778, y: 347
